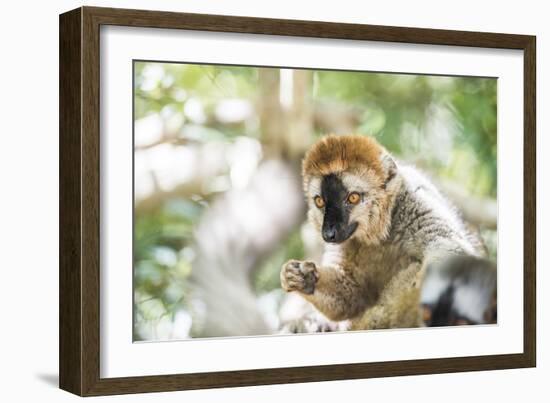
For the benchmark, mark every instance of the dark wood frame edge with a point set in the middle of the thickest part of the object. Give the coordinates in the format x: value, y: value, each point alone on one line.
x: 79, y: 200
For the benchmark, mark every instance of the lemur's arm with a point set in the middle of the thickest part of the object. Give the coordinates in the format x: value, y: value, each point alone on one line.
x: 330, y: 289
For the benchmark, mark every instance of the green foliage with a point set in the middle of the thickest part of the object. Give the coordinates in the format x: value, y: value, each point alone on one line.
x: 165, y: 86
x: 162, y: 260
x: 388, y: 100
x: 475, y: 104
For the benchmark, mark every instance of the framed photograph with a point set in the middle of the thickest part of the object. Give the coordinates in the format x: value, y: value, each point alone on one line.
x: 249, y: 201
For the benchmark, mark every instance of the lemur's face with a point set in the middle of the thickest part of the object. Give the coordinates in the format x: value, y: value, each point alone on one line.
x: 350, y: 184
x: 343, y: 205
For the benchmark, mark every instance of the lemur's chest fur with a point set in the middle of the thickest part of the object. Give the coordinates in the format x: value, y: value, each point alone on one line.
x: 389, y: 279
x: 372, y: 266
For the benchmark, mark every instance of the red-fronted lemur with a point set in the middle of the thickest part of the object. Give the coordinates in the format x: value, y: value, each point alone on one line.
x: 394, y: 245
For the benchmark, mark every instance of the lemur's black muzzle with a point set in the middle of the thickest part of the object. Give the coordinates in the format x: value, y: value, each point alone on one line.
x: 336, y: 225
x: 337, y: 233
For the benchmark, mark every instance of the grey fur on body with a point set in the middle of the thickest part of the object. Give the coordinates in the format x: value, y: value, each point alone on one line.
x: 423, y: 221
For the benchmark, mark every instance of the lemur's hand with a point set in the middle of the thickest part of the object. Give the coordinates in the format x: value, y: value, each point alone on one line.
x: 299, y: 276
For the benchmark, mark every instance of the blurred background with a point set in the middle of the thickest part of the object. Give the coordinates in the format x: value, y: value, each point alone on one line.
x: 218, y: 200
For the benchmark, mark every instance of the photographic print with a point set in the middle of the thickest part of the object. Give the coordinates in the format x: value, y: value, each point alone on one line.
x: 272, y: 201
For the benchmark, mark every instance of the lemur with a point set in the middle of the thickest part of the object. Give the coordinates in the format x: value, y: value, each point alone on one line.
x: 397, y: 253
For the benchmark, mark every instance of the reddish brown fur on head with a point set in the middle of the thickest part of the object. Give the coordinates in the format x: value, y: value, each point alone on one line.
x: 335, y: 154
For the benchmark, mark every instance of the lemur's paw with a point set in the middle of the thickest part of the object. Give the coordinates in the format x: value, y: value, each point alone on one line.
x: 299, y: 276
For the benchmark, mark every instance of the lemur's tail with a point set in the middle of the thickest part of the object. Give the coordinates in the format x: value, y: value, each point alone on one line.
x: 461, y: 290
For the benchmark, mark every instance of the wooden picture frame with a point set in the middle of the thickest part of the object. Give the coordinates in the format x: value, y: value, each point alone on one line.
x: 80, y: 200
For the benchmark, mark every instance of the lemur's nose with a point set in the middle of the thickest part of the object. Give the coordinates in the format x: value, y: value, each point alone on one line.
x: 329, y: 234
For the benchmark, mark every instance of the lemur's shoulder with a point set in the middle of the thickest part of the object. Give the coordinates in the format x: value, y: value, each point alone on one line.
x: 422, y: 212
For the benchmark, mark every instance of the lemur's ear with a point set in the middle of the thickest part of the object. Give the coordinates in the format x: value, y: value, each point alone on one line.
x: 389, y: 167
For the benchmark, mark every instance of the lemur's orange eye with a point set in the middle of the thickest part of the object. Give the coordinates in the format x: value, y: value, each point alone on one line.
x: 354, y: 198
x: 319, y: 202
